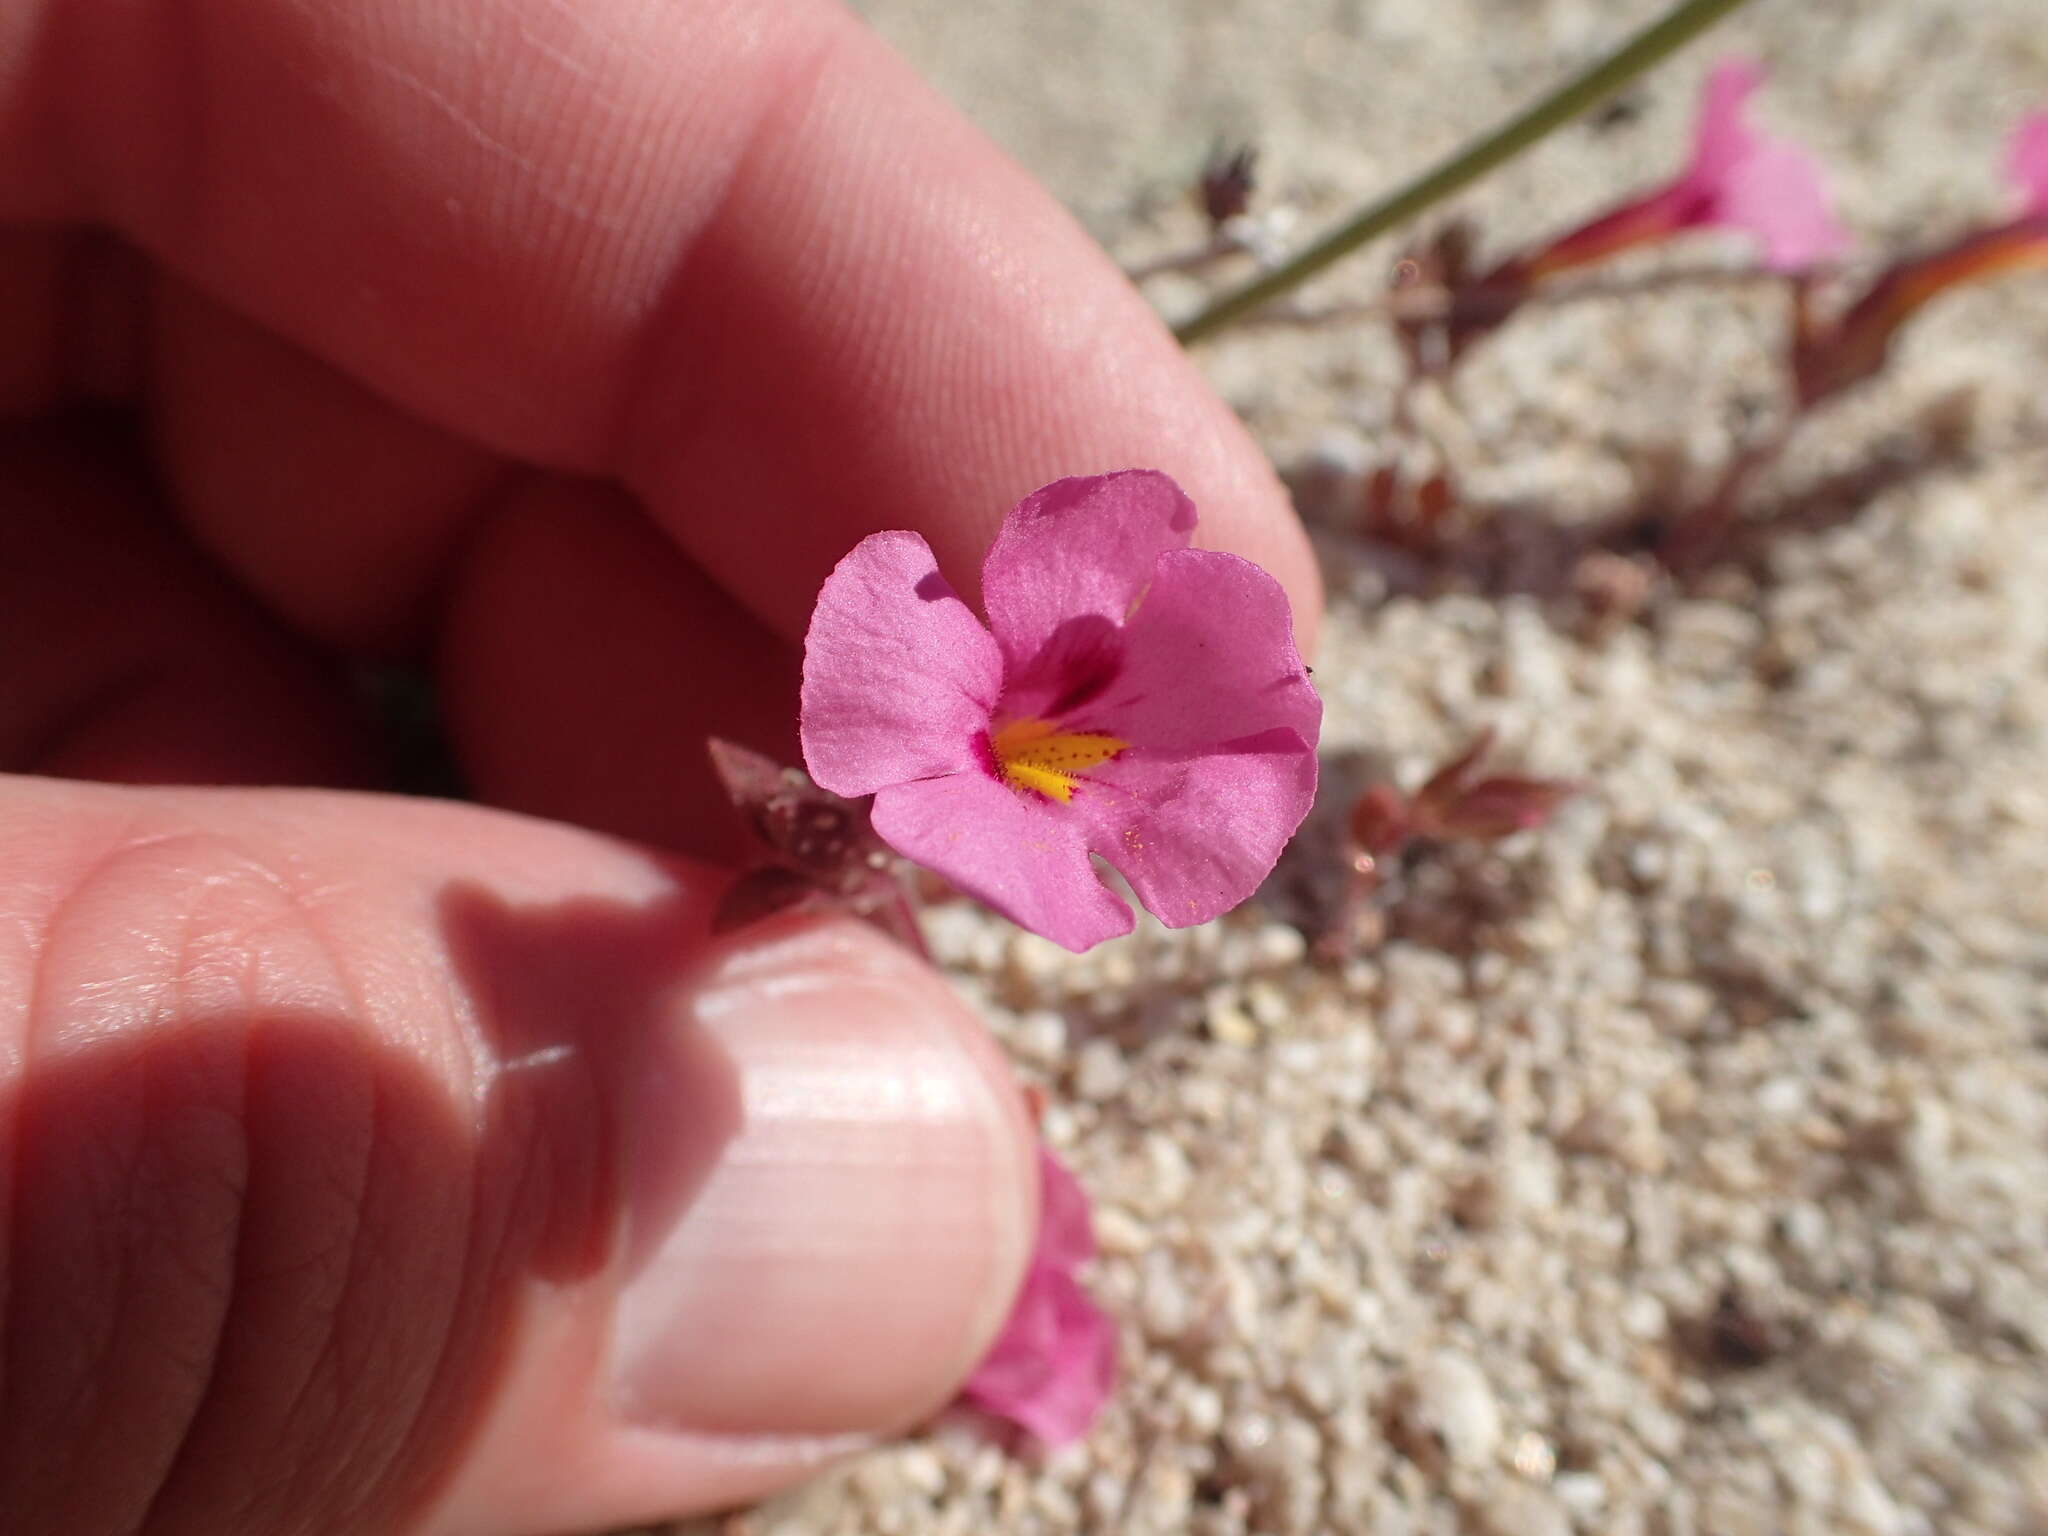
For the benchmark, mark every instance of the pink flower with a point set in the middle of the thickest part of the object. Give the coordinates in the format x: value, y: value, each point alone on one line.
x: 1737, y: 179
x: 1052, y: 1366
x: 1131, y: 698
x: 2026, y: 162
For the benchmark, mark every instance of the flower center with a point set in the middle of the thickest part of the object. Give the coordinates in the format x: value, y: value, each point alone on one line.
x: 1038, y: 755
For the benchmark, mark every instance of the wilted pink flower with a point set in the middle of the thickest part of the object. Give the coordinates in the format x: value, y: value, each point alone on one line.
x: 1737, y: 179
x: 1130, y: 697
x: 1052, y: 1366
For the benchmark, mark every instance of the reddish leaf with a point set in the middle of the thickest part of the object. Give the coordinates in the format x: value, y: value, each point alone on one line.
x: 1380, y: 821
x: 1453, y: 778
x: 1414, y: 517
x: 1458, y: 803
x: 1382, y: 487
x: 1495, y: 808
x: 1227, y: 183
x: 1433, y: 499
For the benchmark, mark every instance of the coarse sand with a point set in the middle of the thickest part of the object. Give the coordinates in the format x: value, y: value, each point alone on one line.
x: 1682, y: 1167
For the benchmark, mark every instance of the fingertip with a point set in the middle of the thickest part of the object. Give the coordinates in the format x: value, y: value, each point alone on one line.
x: 857, y: 1245
x: 584, y: 662
x: 830, y: 1196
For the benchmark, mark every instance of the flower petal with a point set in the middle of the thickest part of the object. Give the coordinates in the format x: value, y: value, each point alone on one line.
x: 1066, y: 1227
x: 1075, y: 556
x: 1209, y: 657
x: 1052, y: 1367
x: 1778, y: 195
x: 899, y: 675
x: 1196, y: 833
x: 2026, y: 162
x: 1025, y: 857
x: 1722, y: 137
x: 1767, y: 187
x: 1222, y: 722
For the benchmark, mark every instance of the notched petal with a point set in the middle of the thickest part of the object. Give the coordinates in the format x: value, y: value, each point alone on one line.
x: 1197, y: 833
x: 1011, y: 850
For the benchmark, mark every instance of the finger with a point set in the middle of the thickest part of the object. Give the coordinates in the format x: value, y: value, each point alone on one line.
x: 584, y: 661
x: 71, y: 308
x: 389, y: 1165
x: 733, y: 253
x: 123, y: 658
x: 32, y: 265
x: 342, y: 512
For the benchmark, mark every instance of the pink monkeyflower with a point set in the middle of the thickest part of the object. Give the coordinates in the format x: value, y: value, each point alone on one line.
x: 2026, y: 162
x: 1737, y: 179
x: 1052, y: 1366
x: 1130, y: 698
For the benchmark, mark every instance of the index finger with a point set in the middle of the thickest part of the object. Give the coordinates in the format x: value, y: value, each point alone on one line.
x: 733, y: 254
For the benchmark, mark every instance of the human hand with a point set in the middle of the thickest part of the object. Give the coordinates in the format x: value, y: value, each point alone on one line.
x: 384, y: 1165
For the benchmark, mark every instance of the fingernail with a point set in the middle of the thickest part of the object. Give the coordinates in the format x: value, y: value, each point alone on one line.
x: 829, y: 1194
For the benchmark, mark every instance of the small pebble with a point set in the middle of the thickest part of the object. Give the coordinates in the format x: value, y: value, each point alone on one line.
x: 1100, y: 1072
x: 1446, y: 1402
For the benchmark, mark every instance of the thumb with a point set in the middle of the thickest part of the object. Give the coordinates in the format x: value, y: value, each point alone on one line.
x: 398, y: 1166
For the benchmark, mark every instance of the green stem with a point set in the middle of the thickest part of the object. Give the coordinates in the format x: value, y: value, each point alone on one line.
x: 1602, y: 79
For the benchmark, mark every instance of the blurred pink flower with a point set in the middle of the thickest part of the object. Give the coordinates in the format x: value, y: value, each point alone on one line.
x: 1737, y: 179
x: 2026, y: 162
x: 1052, y: 1366
x: 1130, y: 698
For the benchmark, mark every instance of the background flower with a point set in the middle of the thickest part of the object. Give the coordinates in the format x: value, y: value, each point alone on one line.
x: 1738, y: 178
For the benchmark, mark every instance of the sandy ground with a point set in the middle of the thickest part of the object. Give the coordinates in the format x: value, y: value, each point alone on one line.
x: 1683, y: 1167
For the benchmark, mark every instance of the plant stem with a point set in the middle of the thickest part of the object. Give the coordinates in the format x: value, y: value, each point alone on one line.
x: 1593, y: 85
x: 900, y: 916
x: 1429, y: 302
x: 1211, y: 251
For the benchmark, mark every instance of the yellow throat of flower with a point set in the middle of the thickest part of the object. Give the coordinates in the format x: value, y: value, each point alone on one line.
x: 1037, y: 755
